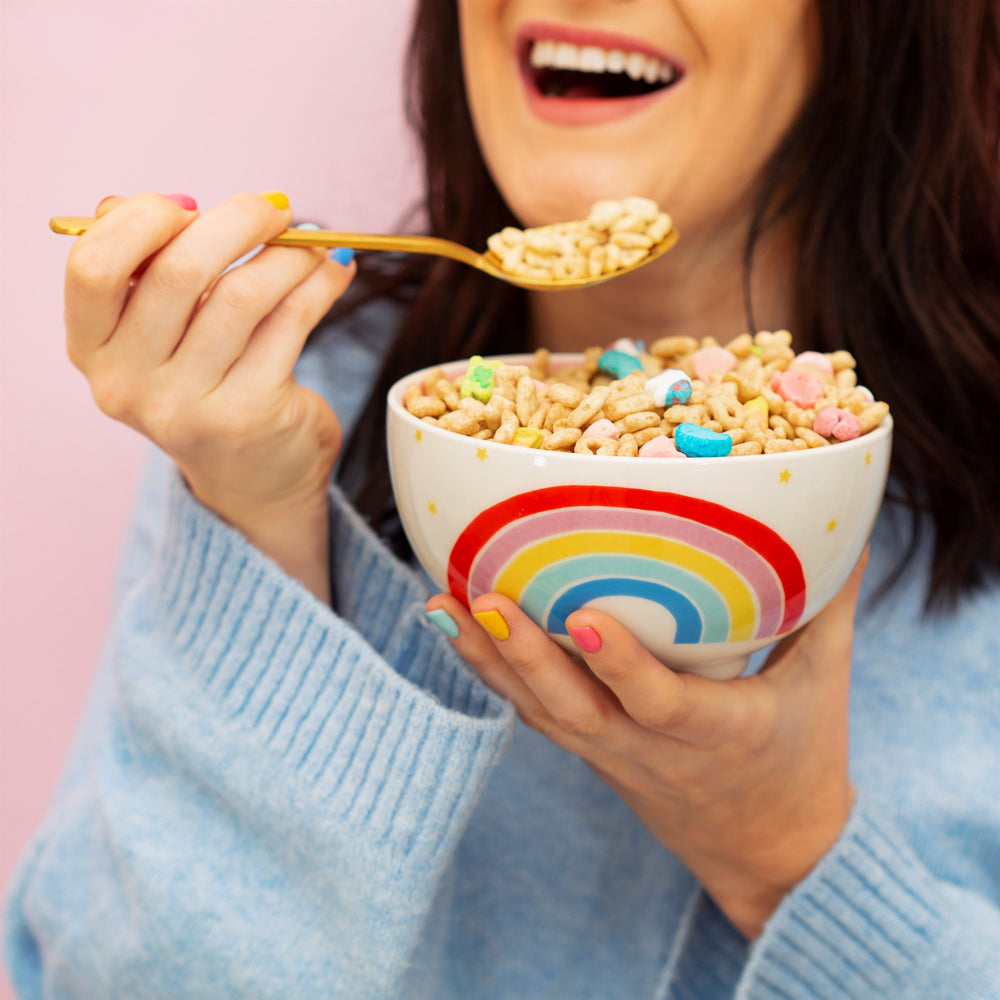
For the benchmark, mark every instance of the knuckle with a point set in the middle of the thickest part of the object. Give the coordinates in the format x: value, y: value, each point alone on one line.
x: 91, y: 269
x: 588, y: 723
x: 240, y: 291
x: 113, y: 392
x: 296, y: 310
x: 662, y: 716
x: 178, y: 271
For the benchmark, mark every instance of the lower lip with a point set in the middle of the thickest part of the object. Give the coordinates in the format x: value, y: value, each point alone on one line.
x: 586, y: 110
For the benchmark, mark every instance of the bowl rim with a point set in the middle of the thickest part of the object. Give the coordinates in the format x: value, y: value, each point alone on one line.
x: 394, y: 405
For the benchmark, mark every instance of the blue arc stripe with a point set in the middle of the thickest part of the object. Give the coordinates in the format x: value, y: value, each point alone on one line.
x: 684, y: 612
x: 715, y: 621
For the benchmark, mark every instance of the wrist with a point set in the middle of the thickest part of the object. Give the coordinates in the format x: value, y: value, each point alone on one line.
x: 293, y: 531
x: 749, y: 892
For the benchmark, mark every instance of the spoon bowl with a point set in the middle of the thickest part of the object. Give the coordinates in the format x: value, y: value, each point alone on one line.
x: 487, y: 262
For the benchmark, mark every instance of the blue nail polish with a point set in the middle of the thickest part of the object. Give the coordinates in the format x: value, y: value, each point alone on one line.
x: 342, y: 255
x: 440, y: 618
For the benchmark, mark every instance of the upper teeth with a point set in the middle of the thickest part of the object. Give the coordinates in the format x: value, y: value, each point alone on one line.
x: 593, y: 59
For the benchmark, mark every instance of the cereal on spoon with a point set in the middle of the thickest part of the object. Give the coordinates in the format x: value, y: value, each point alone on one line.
x: 617, y: 233
x: 681, y: 397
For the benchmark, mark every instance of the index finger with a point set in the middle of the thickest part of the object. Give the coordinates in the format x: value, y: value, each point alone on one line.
x: 102, y: 261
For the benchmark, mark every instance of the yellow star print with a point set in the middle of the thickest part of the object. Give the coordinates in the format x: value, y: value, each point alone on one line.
x: 481, y: 454
x: 419, y: 435
x: 785, y: 476
x: 432, y: 507
x: 831, y: 524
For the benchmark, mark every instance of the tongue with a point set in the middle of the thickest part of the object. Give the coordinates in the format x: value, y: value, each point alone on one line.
x: 583, y: 91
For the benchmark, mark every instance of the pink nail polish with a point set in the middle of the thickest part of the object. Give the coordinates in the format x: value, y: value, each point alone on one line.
x: 184, y: 200
x: 586, y: 638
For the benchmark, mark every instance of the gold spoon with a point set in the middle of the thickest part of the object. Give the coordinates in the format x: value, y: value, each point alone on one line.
x: 75, y: 225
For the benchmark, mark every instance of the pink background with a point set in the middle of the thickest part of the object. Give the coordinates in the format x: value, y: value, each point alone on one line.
x: 107, y: 97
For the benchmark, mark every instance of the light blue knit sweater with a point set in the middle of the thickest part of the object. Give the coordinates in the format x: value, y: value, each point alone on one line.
x: 270, y: 799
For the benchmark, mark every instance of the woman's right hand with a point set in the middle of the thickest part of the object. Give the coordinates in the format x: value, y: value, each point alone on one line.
x: 201, y: 362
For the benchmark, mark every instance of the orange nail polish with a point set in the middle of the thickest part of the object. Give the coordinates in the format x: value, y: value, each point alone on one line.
x: 494, y: 623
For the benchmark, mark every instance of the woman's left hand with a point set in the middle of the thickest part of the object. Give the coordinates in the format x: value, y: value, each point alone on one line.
x: 744, y: 780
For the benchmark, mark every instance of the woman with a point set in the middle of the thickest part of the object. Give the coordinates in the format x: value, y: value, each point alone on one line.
x: 289, y: 783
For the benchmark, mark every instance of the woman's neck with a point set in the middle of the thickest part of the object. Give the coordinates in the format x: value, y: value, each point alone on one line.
x: 696, y: 291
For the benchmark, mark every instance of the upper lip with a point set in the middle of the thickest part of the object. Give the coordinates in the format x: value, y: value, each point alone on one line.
x: 598, y: 38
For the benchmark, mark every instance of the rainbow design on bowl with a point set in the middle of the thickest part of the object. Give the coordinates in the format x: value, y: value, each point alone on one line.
x: 721, y: 575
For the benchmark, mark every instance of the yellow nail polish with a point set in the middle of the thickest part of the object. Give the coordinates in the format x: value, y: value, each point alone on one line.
x: 277, y: 198
x: 493, y: 622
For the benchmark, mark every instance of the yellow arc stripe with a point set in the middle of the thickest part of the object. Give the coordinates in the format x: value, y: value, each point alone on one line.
x: 729, y: 584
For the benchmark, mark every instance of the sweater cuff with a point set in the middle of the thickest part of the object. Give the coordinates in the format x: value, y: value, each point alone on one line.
x: 382, y: 747
x: 858, y: 926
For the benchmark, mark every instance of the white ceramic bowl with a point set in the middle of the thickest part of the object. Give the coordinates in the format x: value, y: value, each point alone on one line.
x: 704, y: 560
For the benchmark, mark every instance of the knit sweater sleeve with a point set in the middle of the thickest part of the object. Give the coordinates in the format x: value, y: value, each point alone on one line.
x: 264, y: 794
x: 871, y: 920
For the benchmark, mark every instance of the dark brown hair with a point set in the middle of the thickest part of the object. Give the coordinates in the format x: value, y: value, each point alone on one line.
x: 892, y: 173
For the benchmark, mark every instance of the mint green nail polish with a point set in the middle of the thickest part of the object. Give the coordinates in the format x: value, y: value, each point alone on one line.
x: 443, y: 621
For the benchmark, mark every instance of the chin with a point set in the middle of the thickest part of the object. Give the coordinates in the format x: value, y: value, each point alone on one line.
x: 564, y: 188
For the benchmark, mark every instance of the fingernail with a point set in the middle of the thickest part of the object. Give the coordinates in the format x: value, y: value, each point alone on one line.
x: 184, y: 200
x: 493, y: 622
x: 277, y: 198
x: 311, y: 226
x: 586, y: 638
x: 444, y: 622
x: 103, y: 200
x: 342, y: 255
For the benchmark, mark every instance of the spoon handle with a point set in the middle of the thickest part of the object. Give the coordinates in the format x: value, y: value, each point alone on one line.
x: 75, y: 225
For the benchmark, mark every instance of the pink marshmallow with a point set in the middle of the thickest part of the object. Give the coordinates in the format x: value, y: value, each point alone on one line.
x: 706, y: 360
x: 603, y: 428
x: 832, y: 421
x: 660, y: 447
x: 798, y: 386
x: 814, y: 360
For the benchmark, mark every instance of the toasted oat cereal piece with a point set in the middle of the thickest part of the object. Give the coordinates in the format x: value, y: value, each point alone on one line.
x: 588, y: 408
x: 628, y: 446
x: 871, y: 416
x: 841, y: 360
x: 595, y: 446
x: 747, y: 448
x: 459, y: 421
x: 555, y: 413
x: 776, y: 445
x: 740, y: 346
x: 424, y: 406
x: 631, y: 423
x: 567, y: 395
x: 811, y: 438
x: 695, y: 413
x: 562, y: 440
x: 617, y: 406
x: 673, y: 347
x: 526, y: 401
x: 504, y: 434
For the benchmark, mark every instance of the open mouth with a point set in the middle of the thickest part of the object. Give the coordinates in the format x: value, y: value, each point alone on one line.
x: 561, y: 69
